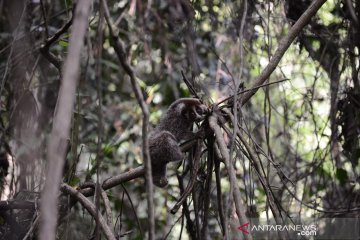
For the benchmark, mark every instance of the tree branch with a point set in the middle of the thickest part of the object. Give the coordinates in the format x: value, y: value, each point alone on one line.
x: 88, y: 188
x: 240, y: 209
x: 119, y: 49
x: 45, y: 48
x: 284, y: 44
x: 61, y: 125
x: 90, y: 207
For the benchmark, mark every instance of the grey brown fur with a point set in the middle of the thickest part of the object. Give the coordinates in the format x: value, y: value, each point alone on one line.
x: 175, y: 126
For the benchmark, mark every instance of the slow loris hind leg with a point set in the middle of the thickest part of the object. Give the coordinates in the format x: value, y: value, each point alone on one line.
x: 163, y: 148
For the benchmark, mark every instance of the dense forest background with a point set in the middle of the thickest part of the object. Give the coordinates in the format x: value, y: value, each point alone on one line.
x: 83, y: 83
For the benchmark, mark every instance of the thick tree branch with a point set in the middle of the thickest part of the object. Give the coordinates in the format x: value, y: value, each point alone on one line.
x: 124, y: 177
x: 61, y: 126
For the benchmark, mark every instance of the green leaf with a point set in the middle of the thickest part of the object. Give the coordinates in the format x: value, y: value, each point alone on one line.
x: 63, y: 43
x: 341, y: 175
x: 108, y: 150
x: 74, y: 181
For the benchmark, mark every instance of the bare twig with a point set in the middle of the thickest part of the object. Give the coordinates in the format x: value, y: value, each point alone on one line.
x: 19, y: 37
x: 237, y: 83
x: 12, y: 46
x: 172, y: 226
x: 234, y: 188
x: 107, y: 207
x: 185, y: 209
x: 252, y: 89
x: 99, y: 152
x: 284, y: 44
x: 121, y: 54
x: 189, y: 85
x: 222, y: 217
x: 61, y: 125
x: 43, y: 11
x: 45, y: 48
x: 209, y: 171
x: 58, y: 34
x: 133, y: 208
x: 90, y: 207
x: 192, y: 180
x: 195, y: 198
x: 33, y: 226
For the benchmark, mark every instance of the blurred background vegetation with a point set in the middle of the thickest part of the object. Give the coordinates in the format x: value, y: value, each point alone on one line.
x: 308, y: 125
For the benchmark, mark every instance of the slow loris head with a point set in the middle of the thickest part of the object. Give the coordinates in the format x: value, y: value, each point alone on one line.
x: 180, y: 117
x: 190, y: 109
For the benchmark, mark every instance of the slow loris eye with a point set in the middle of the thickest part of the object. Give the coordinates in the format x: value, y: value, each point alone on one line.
x: 192, y: 115
x: 199, y: 110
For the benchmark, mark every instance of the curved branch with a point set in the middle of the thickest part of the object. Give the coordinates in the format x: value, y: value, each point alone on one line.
x: 90, y: 207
